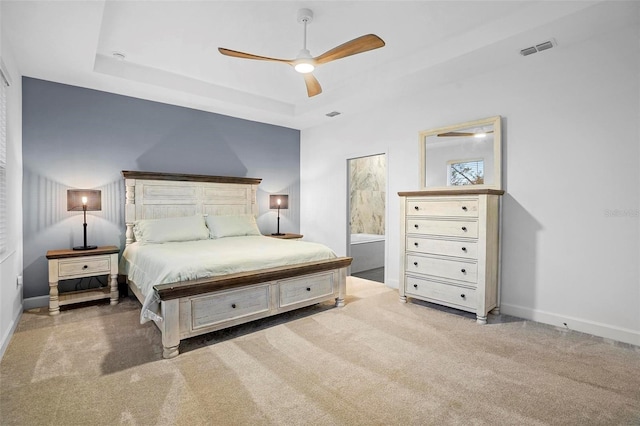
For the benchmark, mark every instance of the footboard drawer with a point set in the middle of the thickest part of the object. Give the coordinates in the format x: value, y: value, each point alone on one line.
x: 307, y: 288
x: 230, y: 305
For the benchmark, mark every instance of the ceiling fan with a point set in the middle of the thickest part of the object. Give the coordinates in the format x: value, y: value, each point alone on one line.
x: 304, y: 63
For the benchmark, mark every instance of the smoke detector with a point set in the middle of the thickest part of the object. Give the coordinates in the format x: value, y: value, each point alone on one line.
x: 545, y: 45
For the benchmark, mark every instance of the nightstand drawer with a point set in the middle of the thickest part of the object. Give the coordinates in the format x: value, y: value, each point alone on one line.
x: 303, y: 289
x: 84, y: 267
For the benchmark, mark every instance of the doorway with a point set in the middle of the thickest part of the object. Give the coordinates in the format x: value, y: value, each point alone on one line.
x: 367, y: 194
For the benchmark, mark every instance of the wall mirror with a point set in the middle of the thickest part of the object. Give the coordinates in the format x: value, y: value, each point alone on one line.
x: 462, y: 157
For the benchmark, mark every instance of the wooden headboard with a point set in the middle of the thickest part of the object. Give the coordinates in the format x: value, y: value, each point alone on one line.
x: 152, y: 195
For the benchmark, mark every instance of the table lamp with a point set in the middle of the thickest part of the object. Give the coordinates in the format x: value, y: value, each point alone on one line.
x: 85, y: 200
x: 278, y: 201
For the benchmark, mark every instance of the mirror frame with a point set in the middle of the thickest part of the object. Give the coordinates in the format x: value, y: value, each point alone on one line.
x: 496, y: 121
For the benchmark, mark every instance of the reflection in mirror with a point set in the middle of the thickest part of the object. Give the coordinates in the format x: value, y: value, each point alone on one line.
x: 456, y: 157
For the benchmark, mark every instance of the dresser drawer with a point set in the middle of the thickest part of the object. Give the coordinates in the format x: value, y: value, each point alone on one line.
x: 441, y: 267
x: 458, y: 208
x: 440, y: 292
x: 466, y: 249
x: 447, y: 228
x: 301, y: 289
x: 209, y: 310
x: 84, y: 267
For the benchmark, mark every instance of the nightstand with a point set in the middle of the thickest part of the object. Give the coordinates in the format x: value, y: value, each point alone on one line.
x: 69, y: 264
x: 287, y: 236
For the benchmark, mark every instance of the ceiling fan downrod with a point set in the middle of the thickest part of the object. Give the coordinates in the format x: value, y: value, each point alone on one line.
x: 304, y: 61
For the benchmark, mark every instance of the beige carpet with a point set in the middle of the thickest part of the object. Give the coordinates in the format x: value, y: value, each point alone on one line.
x: 374, y: 362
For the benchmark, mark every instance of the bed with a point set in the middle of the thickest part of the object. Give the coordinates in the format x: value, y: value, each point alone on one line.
x: 189, y: 283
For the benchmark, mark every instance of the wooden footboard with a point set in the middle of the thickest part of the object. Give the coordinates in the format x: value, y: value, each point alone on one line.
x: 192, y: 308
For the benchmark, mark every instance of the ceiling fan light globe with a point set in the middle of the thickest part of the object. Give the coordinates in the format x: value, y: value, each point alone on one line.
x: 304, y: 67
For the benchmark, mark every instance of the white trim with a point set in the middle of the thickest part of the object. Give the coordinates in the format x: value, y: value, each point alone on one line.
x: 7, y: 337
x: 6, y: 256
x: 607, y: 331
x: 35, y: 302
x: 4, y: 73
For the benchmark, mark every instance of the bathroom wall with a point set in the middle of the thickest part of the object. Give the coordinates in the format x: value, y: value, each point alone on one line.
x: 368, y: 182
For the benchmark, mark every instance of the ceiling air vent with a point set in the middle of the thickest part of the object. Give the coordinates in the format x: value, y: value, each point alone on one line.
x: 544, y: 46
x: 332, y: 114
x: 528, y: 51
x: 538, y: 47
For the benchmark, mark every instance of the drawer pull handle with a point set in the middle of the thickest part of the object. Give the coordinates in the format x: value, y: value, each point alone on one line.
x: 464, y: 271
x: 415, y: 263
x: 417, y: 208
x: 233, y: 305
x: 415, y: 244
x: 415, y: 286
x: 464, y: 208
x: 308, y: 288
x: 462, y: 295
x: 464, y: 228
x: 85, y: 266
x: 464, y: 249
x: 416, y: 226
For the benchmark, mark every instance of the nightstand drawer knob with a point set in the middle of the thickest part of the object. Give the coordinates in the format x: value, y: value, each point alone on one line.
x: 464, y: 271
x: 462, y: 295
x: 415, y: 244
x: 415, y: 286
x: 85, y: 266
x: 415, y: 226
x: 415, y: 263
x: 417, y: 208
x: 464, y: 208
x: 464, y: 249
x: 464, y: 228
x: 308, y: 288
x: 233, y: 305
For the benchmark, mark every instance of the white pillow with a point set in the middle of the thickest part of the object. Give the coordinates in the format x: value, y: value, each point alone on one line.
x: 232, y: 226
x: 188, y: 228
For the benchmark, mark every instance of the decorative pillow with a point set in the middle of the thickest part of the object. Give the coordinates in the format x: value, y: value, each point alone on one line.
x: 232, y: 226
x: 188, y: 228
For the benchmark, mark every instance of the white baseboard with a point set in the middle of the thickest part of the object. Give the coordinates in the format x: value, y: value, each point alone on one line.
x: 606, y: 331
x: 35, y: 302
x: 7, y: 337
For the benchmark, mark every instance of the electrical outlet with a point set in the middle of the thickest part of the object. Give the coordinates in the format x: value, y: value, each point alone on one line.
x: 19, y: 281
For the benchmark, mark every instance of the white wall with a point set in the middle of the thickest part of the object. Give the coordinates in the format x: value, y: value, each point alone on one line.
x: 11, y: 261
x: 571, y: 173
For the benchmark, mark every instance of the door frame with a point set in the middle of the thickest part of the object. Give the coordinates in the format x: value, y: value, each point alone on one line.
x: 386, y: 204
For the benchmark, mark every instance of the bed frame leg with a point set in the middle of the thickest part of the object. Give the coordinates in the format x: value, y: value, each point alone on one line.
x: 342, y: 287
x: 170, y: 328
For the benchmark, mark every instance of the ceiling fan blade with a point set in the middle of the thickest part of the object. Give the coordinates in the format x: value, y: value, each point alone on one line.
x: 242, y: 55
x: 353, y: 47
x: 460, y: 134
x: 455, y: 134
x: 313, y: 86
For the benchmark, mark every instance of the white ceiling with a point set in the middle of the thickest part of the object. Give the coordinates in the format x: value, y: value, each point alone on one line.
x: 171, y: 48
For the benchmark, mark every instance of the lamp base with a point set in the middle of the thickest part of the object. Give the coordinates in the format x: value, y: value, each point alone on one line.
x: 85, y: 247
x: 278, y: 233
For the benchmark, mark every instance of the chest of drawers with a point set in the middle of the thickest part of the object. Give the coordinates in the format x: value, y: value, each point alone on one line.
x: 450, y: 249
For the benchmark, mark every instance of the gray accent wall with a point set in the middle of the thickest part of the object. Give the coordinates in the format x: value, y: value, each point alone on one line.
x: 80, y: 138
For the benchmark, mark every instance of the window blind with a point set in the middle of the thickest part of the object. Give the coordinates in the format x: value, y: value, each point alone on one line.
x: 3, y: 161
